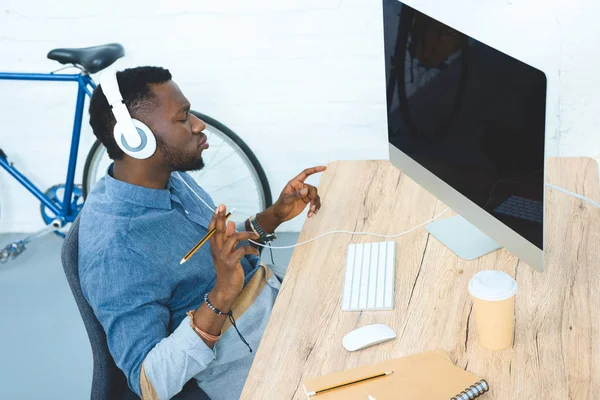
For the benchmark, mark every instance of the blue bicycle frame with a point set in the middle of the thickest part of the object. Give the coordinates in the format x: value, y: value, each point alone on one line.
x: 67, y: 211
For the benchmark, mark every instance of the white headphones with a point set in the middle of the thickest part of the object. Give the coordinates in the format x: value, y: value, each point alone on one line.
x: 131, y: 135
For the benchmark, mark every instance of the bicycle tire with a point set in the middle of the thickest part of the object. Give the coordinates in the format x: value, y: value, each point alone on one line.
x: 89, y: 160
x: 262, y: 177
x: 404, y: 30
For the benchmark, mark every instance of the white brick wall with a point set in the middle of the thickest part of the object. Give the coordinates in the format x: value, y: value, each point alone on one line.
x: 302, y: 81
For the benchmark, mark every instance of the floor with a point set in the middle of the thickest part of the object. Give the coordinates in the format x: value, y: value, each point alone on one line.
x: 44, y: 349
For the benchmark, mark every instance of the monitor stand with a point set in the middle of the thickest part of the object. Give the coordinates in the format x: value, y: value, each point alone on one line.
x: 462, y: 237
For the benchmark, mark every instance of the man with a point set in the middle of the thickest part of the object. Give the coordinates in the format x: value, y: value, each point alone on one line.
x: 137, y: 223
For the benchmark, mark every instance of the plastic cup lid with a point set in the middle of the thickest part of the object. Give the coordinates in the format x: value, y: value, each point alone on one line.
x: 492, y: 286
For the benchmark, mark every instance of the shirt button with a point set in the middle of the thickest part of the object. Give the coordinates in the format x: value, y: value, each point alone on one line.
x: 186, y: 211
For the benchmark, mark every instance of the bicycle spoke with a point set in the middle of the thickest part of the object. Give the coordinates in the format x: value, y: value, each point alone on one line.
x: 212, y: 166
x: 230, y: 185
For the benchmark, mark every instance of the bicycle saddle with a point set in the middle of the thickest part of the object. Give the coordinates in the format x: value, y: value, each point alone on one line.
x: 92, y: 59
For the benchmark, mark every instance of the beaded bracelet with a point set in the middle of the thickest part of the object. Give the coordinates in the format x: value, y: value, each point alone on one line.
x: 208, y: 303
x: 231, y: 319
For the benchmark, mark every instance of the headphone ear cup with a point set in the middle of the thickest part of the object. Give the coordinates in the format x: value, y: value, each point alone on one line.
x: 148, y: 142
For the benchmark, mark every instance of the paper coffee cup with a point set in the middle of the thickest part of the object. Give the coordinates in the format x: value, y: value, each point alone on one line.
x: 493, y: 294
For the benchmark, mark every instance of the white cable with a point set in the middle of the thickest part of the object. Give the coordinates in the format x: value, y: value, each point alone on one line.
x: 320, y: 236
x: 595, y: 204
x: 193, y: 191
x: 369, y: 233
x: 416, y: 227
x: 353, y: 233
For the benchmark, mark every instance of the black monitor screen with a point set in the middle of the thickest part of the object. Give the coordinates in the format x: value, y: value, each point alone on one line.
x: 470, y: 114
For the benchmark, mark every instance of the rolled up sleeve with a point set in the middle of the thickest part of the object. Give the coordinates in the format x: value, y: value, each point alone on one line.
x: 176, y: 359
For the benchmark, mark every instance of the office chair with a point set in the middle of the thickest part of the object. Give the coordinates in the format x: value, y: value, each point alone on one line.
x: 108, y: 381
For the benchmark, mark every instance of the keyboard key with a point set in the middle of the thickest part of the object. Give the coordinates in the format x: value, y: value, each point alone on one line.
x: 369, y: 277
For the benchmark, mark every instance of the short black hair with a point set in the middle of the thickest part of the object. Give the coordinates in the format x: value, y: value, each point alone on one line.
x: 137, y: 96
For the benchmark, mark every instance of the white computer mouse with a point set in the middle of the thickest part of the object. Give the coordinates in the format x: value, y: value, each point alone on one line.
x: 366, y: 336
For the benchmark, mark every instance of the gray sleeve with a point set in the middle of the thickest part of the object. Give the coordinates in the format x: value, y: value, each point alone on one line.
x: 176, y: 359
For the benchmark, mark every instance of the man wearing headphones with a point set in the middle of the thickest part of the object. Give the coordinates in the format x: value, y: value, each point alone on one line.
x: 166, y: 322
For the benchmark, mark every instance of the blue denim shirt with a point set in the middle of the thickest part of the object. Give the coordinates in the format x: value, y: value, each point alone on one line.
x: 131, y: 240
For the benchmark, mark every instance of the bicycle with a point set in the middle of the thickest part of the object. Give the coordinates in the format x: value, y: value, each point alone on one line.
x: 424, y: 48
x: 61, y: 203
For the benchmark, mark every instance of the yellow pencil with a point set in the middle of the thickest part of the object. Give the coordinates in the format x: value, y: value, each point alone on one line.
x: 201, y: 242
x: 350, y: 383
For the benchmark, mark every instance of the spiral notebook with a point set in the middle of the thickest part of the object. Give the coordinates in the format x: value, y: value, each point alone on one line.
x: 424, y: 376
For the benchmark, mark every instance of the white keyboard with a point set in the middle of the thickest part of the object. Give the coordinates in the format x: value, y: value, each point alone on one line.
x: 369, y: 279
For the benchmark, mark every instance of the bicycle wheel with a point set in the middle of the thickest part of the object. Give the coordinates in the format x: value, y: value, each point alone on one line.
x: 427, y: 120
x: 56, y: 194
x: 232, y: 174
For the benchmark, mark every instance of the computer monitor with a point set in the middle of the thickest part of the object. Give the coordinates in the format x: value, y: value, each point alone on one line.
x: 467, y: 123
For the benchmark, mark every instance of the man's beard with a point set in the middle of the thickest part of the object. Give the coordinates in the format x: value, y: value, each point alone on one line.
x: 177, y: 161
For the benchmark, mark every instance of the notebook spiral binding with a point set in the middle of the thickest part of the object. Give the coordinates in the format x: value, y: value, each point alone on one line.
x: 473, y: 391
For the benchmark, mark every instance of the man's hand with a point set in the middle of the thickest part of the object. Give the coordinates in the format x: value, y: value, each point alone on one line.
x: 296, y: 195
x: 230, y: 274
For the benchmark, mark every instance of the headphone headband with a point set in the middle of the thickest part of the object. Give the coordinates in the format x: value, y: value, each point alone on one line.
x: 110, y: 88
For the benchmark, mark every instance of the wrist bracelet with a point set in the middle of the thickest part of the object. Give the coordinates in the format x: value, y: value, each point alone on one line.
x: 231, y: 319
x: 252, y: 226
x: 204, y: 335
x: 209, y: 304
x: 256, y: 228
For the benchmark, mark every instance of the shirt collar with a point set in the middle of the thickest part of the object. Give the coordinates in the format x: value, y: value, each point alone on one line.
x: 139, y: 195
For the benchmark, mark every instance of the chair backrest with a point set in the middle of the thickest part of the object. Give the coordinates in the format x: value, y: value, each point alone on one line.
x: 108, y: 381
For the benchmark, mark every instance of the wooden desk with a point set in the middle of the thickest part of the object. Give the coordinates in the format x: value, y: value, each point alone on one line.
x: 556, y: 354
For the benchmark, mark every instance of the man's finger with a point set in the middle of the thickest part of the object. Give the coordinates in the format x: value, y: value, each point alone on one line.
x: 308, y: 172
x: 318, y: 203
x: 244, y: 250
x: 312, y: 192
x: 298, y: 194
x: 233, y: 240
x: 213, y: 222
x: 315, y: 206
x: 302, y: 192
x: 219, y: 218
x: 312, y: 195
x: 230, y: 228
x: 315, y: 199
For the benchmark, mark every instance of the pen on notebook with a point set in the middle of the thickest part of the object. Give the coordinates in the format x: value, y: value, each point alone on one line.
x: 203, y: 240
x: 349, y: 383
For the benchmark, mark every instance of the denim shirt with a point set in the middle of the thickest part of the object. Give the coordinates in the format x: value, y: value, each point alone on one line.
x: 131, y: 240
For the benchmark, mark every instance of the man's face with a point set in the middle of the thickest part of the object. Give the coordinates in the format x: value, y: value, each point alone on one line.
x: 179, y: 137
